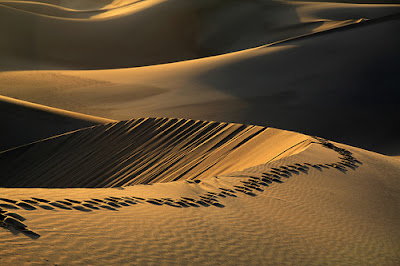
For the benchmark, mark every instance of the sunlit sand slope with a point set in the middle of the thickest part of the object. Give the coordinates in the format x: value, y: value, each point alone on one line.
x: 142, y: 151
x: 327, y: 203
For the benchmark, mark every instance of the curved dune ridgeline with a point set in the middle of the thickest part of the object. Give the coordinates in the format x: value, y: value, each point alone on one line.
x: 25, y: 122
x: 155, y: 132
x: 115, y: 34
x: 307, y: 200
x: 310, y: 67
x: 142, y: 151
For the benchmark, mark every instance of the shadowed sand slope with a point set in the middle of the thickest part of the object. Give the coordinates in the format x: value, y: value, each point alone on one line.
x: 149, y: 32
x: 24, y: 122
x: 143, y: 151
x: 318, y: 84
x: 136, y: 33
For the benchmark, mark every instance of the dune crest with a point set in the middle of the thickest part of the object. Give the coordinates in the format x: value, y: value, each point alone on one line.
x: 119, y: 34
x: 144, y: 151
x: 24, y: 122
x: 304, y: 204
x: 154, y: 132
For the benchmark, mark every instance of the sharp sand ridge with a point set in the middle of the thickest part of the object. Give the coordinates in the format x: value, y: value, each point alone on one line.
x: 85, y: 35
x: 248, y: 182
x: 339, y: 71
x: 290, y: 190
x: 140, y: 151
x: 24, y: 122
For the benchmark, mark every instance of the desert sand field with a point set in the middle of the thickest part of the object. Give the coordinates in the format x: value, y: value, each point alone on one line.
x: 199, y: 132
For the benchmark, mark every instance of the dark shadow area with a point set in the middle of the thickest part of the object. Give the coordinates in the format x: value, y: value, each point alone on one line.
x: 18, y: 128
x: 108, y: 207
x: 81, y: 208
x: 346, y: 91
x: 13, y: 223
x: 26, y: 206
x: 90, y: 206
x: 59, y: 205
x: 17, y: 231
x: 8, y: 206
x: 46, y: 207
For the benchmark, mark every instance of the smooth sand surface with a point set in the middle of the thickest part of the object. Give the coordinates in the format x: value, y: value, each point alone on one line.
x: 156, y: 132
x: 25, y: 122
x: 344, y: 77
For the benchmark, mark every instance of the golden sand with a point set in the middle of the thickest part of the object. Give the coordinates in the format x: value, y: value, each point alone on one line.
x: 164, y: 132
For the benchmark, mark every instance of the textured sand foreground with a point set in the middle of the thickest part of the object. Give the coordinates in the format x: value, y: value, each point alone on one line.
x: 323, y: 203
x: 164, y: 132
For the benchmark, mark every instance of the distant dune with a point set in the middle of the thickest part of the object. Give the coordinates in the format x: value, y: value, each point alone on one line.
x: 341, y: 85
x: 24, y: 122
x: 155, y: 132
x: 137, y: 33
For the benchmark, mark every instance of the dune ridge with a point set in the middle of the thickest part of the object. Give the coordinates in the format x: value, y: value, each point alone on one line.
x: 170, y: 152
x: 289, y: 85
x: 250, y: 184
x: 141, y: 151
x: 56, y: 37
x: 304, y: 203
x: 24, y: 122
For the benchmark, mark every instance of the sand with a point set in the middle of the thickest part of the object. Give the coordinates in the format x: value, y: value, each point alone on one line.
x: 166, y: 132
x: 315, y: 84
x: 25, y: 122
x: 318, y: 212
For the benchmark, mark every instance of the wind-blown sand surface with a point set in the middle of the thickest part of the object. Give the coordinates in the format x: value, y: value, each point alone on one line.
x: 146, y: 132
x: 316, y: 84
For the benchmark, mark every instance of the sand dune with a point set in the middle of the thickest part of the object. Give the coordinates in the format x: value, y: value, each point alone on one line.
x: 24, y: 122
x: 317, y: 84
x: 49, y: 10
x: 328, y: 203
x: 114, y: 36
x: 91, y: 43
x: 143, y: 151
x: 89, y: 177
x: 73, y: 4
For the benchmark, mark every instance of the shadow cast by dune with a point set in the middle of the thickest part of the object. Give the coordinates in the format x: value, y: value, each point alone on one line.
x: 59, y: 205
x: 16, y: 231
x: 81, y: 208
x: 46, y: 207
x: 13, y: 223
x: 219, y: 205
x: 8, y: 206
x: 108, y: 207
x: 26, y: 206
x: 249, y: 186
x: 88, y: 205
x: 14, y: 215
